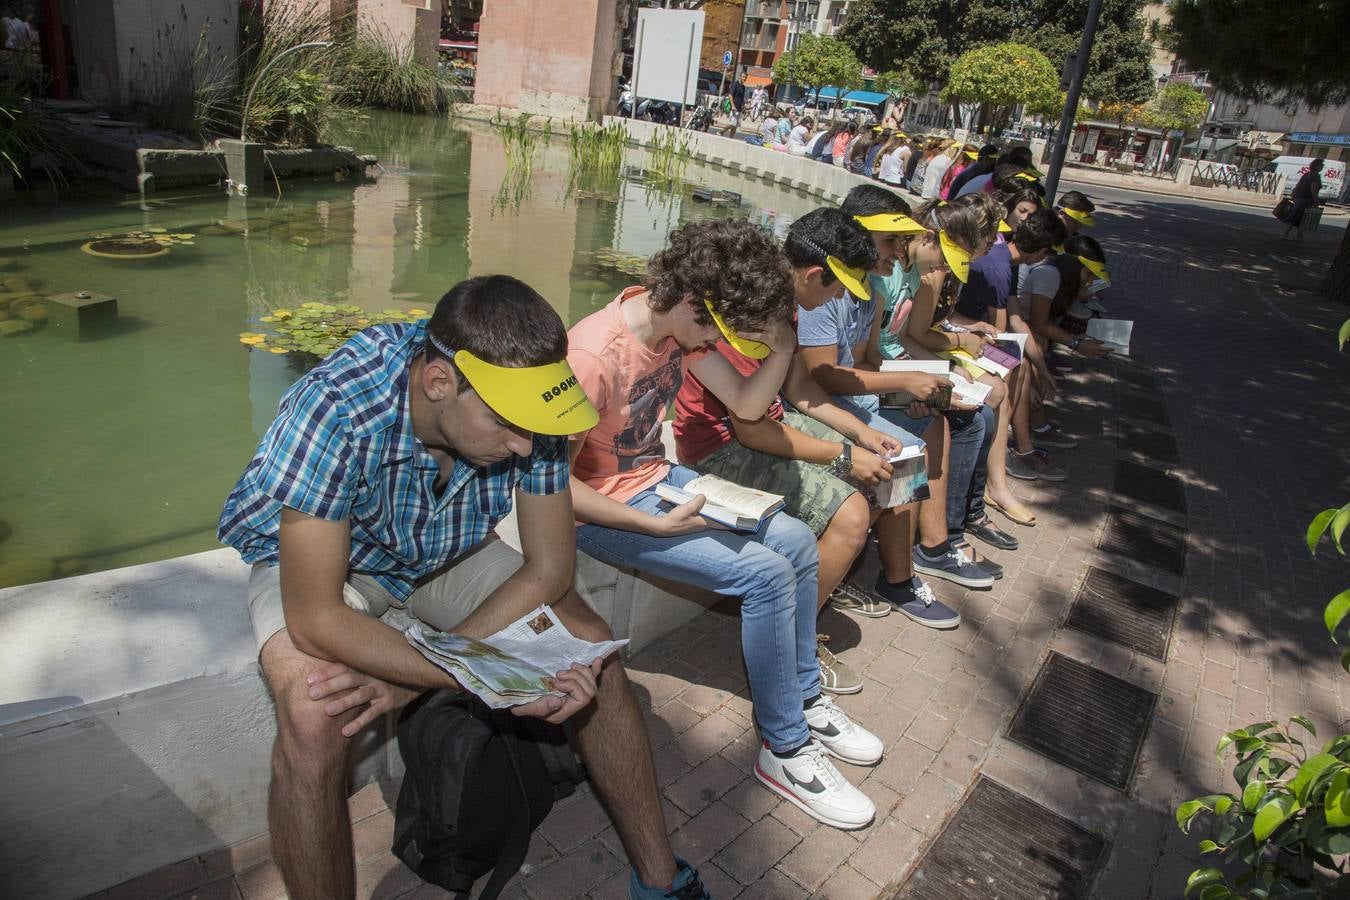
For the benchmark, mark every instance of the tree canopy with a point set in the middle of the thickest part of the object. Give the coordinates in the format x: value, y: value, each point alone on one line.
x: 926, y: 37
x: 1259, y: 48
x: 1178, y: 107
x: 1002, y: 76
x: 893, y: 82
x: 819, y: 61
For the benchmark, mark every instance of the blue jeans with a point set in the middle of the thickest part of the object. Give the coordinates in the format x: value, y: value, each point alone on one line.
x: 775, y: 572
x: 968, y: 466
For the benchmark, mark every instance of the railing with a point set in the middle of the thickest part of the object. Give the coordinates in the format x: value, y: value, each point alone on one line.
x: 1210, y: 174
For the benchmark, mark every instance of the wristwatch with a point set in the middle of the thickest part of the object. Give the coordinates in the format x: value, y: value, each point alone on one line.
x: 842, y: 464
x: 1073, y: 344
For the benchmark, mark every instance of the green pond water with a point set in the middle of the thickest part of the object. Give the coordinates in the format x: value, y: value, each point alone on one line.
x: 121, y: 449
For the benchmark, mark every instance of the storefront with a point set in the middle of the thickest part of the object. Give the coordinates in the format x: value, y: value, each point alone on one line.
x: 1335, y: 147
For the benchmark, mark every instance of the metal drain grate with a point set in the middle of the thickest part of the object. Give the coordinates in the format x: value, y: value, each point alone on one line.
x: 1136, y: 406
x: 1147, y: 442
x: 1002, y: 845
x: 1147, y: 485
x: 1117, y: 609
x: 1090, y: 721
x: 1144, y: 540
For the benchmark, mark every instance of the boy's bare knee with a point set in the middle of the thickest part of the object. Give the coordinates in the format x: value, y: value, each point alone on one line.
x: 580, y: 619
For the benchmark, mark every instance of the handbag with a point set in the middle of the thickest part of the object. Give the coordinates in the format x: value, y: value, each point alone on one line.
x: 1282, y: 209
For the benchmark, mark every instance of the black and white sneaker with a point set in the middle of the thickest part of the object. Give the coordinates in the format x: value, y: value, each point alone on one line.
x: 809, y: 781
x: 841, y: 736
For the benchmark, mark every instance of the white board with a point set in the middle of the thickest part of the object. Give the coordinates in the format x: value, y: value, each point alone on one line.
x: 665, y: 54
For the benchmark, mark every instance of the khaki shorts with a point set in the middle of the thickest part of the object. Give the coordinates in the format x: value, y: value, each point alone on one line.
x: 442, y: 601
x: 811, y: 492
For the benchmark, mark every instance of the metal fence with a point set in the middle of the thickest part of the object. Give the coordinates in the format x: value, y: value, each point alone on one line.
x: 1211, y: 174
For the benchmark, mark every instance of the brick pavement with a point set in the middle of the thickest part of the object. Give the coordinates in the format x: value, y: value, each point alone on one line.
x: 1258, y: 407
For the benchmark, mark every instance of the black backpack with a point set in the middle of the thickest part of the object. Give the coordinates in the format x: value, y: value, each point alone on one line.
x: 478, y: 782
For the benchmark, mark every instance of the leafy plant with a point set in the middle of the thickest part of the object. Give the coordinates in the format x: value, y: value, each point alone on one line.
x: 670, y: 155
x: 317, y: 329
x: 1178, y: 107
x: 1288, y: 828
x: 370, y: 68
x: 819, y: 61
x: 1001, y: 76
x: 303, y: 97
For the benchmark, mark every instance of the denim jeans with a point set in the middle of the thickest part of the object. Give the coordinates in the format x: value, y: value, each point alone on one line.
x: 774, y: 571
x: 971, y: 433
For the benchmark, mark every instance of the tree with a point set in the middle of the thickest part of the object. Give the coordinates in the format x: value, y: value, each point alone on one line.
x: 893, y: 82
x: 1178, y: 107
x: 1001, y: 76
x: 1118, y: 69
x: 819, y: 61
x: 1256, y: 48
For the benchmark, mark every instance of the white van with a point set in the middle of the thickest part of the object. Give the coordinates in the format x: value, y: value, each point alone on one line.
x: 1294, y: 167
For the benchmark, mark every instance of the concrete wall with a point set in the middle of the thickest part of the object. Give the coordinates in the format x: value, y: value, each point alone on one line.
x: 156, y: 39
x: 548, y: 59
x: 404, y: 24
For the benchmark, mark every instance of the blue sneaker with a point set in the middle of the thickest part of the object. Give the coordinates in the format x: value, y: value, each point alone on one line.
x: 686, y: 886
x: 916, y: 600
x: 952, y: 566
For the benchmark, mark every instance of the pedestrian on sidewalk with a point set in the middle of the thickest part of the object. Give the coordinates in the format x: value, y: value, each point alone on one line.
x: 1304, y: 197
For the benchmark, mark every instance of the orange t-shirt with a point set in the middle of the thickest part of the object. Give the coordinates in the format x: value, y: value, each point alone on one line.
x: 631, y: 386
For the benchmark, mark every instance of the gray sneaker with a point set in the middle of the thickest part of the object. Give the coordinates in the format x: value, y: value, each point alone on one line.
x: 1034, y: 466
x: 835, y: 677
x: 1053, y: 438
x: 850, y: 598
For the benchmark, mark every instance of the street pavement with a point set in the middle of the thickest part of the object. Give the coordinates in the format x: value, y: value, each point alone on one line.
x: 1256, y: 395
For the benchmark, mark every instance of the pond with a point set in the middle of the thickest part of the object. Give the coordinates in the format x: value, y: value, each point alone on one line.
x: 120, y: 448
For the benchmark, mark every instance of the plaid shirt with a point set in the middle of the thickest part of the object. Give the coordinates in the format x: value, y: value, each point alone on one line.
x: 342, y: 447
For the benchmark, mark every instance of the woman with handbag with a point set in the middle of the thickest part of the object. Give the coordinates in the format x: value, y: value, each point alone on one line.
x: 1304, y: 197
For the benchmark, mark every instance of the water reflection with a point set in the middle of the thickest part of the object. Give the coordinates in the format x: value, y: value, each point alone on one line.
x: 121, y: 450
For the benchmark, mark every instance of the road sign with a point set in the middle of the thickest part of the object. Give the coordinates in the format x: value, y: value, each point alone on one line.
x: 726, y: 58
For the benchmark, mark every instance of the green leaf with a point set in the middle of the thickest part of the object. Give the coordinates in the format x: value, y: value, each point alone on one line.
x: 1306, y: 723
x: 1215, y: 892
x: 1208, y: 846
x: 1319, y: 524
x: 1222, y: 803
x: 1344, y: 334
x: 1308, y: 772
x: 1337, y: 800
x: 1338, y: 524
x: 1188, y: 811
x: 1272, y: 815
x: 1252, y: 794
x: 1201, y: 878
x: 1336, y: 611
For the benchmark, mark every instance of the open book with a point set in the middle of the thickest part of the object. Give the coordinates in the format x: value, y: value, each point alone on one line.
x: 1114, y: 333
x: 931, y: 366
x: 727, y: 503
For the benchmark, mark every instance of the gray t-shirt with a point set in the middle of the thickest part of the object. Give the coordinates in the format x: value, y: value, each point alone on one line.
x: 843, y: 322
x: 1041, y: 278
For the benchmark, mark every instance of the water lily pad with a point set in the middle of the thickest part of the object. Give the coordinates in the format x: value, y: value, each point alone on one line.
x: 124, y: 248
x: 251, y: 339
x: 155, y: 229
x: 418, y: 312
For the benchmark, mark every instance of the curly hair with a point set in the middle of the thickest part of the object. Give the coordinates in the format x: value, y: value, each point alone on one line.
x: 732, y: 263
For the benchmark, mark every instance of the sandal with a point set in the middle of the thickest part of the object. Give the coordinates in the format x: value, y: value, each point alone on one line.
x: 1028, y: 519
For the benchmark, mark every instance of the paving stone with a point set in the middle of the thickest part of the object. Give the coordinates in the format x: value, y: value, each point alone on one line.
x: 167, y: 882
x: 709, y: 736
x: 703, y: 784
x: 575, y: 873
x: 752, y: 800
x: 571, y: 824
x: 814, y: 858
x: 757, y: 849
x: 262, y: 882
x: 708, y: 832
x: 846, y: 883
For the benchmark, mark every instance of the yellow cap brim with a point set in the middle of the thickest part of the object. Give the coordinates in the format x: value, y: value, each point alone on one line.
x: 957, y: 258
x: 972, y: 154
x: 744, y: 346
x: 541, y: 399
x: 853, y: 279
x: 1082, y: 218
x: 890, y: 223
x: 1096, y: 268
x: 1004, y: 227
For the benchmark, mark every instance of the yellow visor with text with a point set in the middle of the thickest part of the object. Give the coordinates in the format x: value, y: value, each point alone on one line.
x: 890, y: 223
x: 853, y: 279
x: 1082, y: 218
x: 541, y: 399
x: 745, y: 346
x: 1096, y: 268
x: 957, y: 257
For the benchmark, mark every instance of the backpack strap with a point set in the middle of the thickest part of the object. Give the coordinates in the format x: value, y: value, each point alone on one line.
x: 517, y: 844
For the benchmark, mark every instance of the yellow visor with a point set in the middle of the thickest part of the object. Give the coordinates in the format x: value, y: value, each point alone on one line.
x: 890, y: 223
x: 744, y: 346
x: 1096, y: 268
x: 1004, y: 227
x: 972, y: 154
x: 956, y: 257
x: 1082, y: 218
x: 541, y: 399
x: 853, y: 279
x: 1028, y: 175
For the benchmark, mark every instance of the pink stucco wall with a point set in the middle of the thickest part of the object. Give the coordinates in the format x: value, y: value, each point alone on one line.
x: 551, y: 59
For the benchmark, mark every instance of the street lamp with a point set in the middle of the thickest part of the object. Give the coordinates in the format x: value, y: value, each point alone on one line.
x: 799, y: 13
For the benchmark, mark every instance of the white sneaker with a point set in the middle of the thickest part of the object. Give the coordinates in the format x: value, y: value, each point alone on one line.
x: 810, y: 782
x: 841, y: 736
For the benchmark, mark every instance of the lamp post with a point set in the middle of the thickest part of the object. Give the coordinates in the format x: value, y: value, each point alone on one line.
x: 799, y: 13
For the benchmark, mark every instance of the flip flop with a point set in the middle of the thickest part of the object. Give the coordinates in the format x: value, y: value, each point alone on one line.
x: 1028, y: 520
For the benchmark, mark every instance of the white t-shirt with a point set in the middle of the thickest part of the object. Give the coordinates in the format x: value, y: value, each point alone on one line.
x: 769, y: 130
x: 797, y: 138
x: 932, y: 179
x: 893, y: 167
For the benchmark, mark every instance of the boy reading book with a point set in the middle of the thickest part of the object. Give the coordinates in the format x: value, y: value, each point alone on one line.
x: 715, y: 280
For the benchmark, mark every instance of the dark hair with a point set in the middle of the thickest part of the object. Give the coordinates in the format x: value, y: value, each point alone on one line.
x: 499, y: 319
x: 1317, y: 164
x: 871, y: 199
x: 1039, y: 231
x: 732, y: 263
x: 807, y: 121
x: 1076, y: 201
x: 1011, y: 200
x: 1085, y: 245
x: 828, y: 231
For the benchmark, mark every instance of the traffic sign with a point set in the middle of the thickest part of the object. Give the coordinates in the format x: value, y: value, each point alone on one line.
x: 726, y: 58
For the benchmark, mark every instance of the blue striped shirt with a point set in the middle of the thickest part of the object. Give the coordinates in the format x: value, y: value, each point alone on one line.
x: 342, y: 447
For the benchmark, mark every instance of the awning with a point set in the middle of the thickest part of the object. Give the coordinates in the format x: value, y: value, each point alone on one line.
x: 755, y: 81
x: 869, y: 98
x: 1263, y: 139
x: 1210, y: 145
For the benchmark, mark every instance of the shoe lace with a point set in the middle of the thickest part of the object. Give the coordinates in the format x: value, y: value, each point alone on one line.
x: 850, y: 591
x: 925, y: 593
x: 826, y: 657
x: 833, y: 714
x: 814, y: 754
